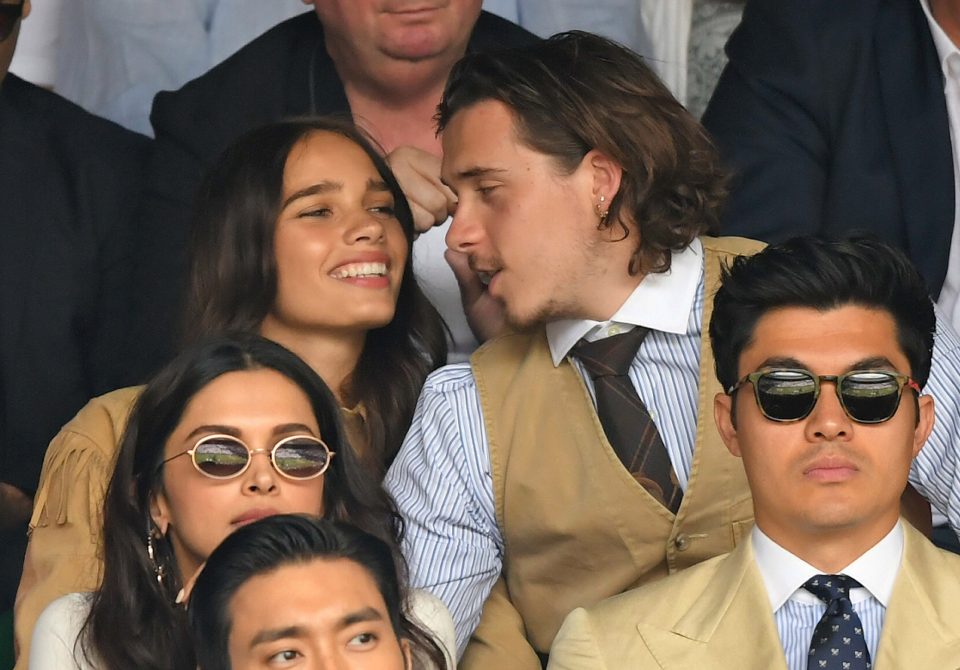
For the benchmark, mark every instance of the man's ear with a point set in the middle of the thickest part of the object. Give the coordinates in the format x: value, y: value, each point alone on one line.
x: 925, y: 420
x: 606, y: 174
x: 723, y: 409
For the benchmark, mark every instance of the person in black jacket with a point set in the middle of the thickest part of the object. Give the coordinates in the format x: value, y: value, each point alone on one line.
x: 68, y: 183
x: 834, y: 118
x: 385, y: 69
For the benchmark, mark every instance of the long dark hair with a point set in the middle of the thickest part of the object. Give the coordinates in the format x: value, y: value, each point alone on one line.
x: 233, y: 274
x: 133, y: 622
x: 283, y: 540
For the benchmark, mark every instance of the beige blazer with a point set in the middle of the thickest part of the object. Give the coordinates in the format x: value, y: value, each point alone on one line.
x: 716, y: 615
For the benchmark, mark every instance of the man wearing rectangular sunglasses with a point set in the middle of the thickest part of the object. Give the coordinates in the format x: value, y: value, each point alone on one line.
x: 823, y: 349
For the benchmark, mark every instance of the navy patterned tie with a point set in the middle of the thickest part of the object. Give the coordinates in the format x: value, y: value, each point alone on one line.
x: 838, y: 642
x: 626, y: 422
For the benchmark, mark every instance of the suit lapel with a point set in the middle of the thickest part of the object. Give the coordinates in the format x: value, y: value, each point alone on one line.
x: 712, y: 630
x: 915, y: 111
x: 921, y: 628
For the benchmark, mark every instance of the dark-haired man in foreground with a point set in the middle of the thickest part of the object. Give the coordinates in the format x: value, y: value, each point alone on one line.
x: 823, y: 349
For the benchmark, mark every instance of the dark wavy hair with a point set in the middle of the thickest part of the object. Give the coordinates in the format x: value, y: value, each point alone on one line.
x: 576, y: 92
x: 233, y: 274
x: 284, y: 540
x: 133, y: 622
x: 822, y: 275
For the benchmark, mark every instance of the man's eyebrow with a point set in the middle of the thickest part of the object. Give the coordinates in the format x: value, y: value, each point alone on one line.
x: 782, y: 362
x: 474, y: 172
x: 273, y: 634
x: 873, y: 363
x: 359, y: 616
x: 314, y: 189
x: 869, y: 363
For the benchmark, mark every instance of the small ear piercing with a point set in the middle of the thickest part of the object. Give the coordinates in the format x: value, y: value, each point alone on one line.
x: 601, y: 212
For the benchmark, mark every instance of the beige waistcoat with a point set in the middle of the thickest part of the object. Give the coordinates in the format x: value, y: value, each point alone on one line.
x: 576, y: 525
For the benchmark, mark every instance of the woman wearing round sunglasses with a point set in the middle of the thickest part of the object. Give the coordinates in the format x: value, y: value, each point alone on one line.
x: 302, y: 234
x: 230, y: 432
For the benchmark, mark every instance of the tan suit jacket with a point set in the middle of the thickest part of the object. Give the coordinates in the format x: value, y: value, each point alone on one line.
x: 717, y: 615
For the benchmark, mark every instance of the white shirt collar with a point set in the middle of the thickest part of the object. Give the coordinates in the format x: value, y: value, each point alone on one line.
x: 661, y: 301
x: 784, y: 574
x: 945, y: 46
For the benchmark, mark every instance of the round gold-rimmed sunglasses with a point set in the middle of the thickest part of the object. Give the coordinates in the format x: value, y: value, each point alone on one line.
x: 297, y: 457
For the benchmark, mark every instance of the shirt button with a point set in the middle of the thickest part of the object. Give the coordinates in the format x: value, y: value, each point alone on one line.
x: 614, y: 330
x: 681, y: 542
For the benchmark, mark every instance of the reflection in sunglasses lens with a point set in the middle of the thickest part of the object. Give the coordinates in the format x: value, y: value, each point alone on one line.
x: 300, y: 458
x: 786, y: 395
x: 870, y: 397
x: 221, y: 456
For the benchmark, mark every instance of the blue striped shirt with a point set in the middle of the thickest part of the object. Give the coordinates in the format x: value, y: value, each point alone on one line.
x: 443, y: 487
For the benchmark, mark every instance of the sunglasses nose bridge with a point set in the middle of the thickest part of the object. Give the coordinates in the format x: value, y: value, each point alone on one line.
x: 260, y: 476
x: 829, y: 417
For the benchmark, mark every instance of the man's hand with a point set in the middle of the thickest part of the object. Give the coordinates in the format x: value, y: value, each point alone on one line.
x: 485, y: 314
x: 418, y: 172
x: 15, y: 507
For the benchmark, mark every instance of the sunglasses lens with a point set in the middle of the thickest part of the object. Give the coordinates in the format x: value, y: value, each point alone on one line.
x: 220, y: 456
x: 301, y: 457
x: 786, y: 395
x: 870, y: 397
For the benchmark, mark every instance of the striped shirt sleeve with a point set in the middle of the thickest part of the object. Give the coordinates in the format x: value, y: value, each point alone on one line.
x: 936, y: 470
x: 443, y: 488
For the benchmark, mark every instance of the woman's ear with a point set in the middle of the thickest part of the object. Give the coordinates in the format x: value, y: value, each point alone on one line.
x: 407, y: 654
x: 160, y: 512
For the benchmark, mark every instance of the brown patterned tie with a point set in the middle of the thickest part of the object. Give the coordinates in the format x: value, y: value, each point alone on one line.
x: 625, y: 419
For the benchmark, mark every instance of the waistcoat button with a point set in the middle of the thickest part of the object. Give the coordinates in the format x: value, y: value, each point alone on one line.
x: 681, y: 542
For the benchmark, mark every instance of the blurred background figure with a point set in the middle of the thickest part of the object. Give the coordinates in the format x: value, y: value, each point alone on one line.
x: 112, y: 56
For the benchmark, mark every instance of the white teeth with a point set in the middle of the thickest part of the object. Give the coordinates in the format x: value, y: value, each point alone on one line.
x: 360, y: 270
